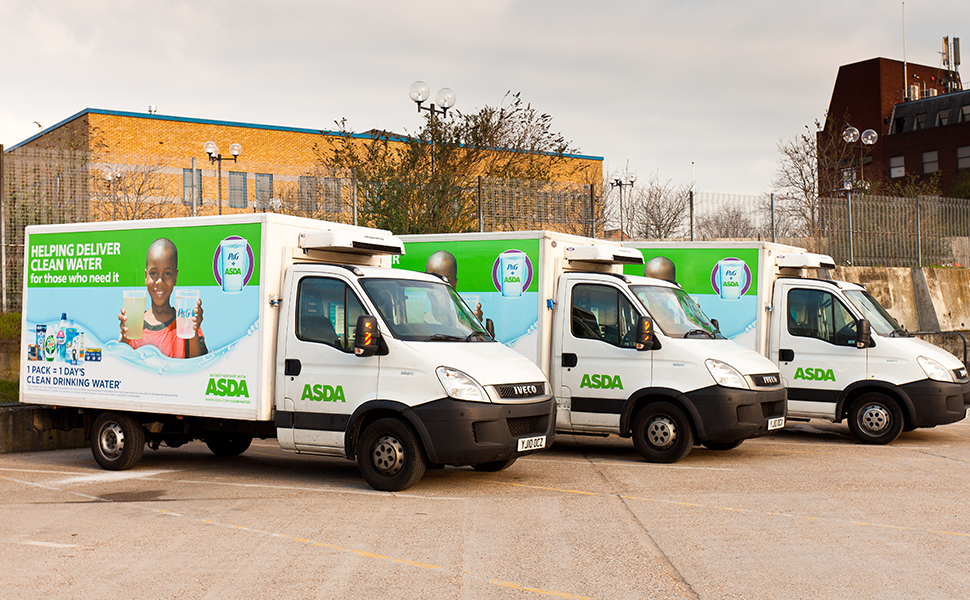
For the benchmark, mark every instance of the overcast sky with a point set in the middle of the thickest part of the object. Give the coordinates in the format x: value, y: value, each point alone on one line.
x: 656, y: 85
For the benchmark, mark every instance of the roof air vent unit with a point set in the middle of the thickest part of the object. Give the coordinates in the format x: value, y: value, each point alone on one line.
x: 599, y: 253
x: 804, y: 260
x: 354, y: 242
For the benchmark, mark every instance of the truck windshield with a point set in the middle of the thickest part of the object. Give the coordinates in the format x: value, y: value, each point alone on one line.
x: 675, y: 312
x: 423, y: 311
x: 881, y: 321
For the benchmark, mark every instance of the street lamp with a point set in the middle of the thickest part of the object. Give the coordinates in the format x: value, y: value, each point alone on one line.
x: 113, y: 178
x: 621, y: 184
x: 867, y: 138
x: 445, y: 99
x: 212, y: 150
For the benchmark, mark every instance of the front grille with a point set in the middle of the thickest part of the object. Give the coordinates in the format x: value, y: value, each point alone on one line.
x: 520, y: 426
x: 767, y: 379
x: 521, y: 390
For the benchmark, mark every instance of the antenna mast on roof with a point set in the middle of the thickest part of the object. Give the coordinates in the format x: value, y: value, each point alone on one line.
x: 951, y: 62
x: 905, y: 75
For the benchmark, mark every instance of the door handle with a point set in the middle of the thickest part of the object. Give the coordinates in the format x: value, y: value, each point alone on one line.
x: 569, y: 359
x: 786, y: 355
x: 292, y: 366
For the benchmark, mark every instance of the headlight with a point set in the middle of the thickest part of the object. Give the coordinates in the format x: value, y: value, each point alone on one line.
x: 726, y: 375
x: 460, y: 386
x: 934, y: 370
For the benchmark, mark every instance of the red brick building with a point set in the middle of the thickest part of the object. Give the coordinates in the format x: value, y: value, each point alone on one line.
x: 920, y: 113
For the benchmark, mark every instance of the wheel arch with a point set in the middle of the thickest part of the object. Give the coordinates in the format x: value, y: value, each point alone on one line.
x: 645, y: 396
x: 854, y: 390
x: 371, y: 411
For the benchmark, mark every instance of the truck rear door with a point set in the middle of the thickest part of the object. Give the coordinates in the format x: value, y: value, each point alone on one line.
x: 813, y: 337
x: 324, y: 381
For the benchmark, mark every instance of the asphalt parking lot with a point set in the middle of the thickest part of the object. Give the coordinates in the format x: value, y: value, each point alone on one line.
x: 805, y: 513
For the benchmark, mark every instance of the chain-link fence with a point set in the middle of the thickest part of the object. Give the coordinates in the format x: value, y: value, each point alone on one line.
x: 42, y: 186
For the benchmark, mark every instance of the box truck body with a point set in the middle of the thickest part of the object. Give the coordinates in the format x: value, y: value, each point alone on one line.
x: 280, y: 352
x: 812, y: 329
x: 563, y: 302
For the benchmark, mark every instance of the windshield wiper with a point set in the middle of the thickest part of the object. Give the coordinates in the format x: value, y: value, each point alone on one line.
x: 443, y: 337
x: 703, y: 332
x: 480, y: 334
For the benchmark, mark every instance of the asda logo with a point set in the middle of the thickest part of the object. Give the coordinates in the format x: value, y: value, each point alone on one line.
x: 811, y: 374
x: 227, y: 388
x: 323, y: 393
x: 728, y: 284
x: 601, y: 382
x: 513, y: 279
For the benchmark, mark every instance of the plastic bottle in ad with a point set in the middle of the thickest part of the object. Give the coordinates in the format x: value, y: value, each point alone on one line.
x: 62, y: 338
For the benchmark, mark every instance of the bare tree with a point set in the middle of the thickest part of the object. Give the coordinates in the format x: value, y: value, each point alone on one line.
x: 130, y: 192
x: 659, y: 208
x: 731, y: 222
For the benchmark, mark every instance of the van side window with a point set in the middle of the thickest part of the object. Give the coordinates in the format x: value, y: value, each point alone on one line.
x: 820, y: 315
x: 327, y: 312
x: 602, y: 313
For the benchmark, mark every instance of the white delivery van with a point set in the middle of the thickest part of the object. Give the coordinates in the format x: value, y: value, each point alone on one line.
x: 224, y: 329
x: 562, y: 301
x: 841, y: 353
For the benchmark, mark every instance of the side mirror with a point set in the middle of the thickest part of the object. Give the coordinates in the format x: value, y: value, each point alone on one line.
x: 716, y: 326
x: 863, y: 333
x: 490, y: 327
x: 644, y: 339
x: 367, y: 340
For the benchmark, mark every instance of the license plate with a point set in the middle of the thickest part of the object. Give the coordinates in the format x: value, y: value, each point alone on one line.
x: 533, y: 443
x: 776, y: 423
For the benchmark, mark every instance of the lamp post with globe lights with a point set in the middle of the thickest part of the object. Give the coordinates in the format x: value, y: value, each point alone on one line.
x: 868, y: 137
x: 212, y: 150
x: 445, y: 99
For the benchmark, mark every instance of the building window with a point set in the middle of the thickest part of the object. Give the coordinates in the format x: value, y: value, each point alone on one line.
x: 898, y: 124
x: 237, y: 190
x: 965, y: 113
x: 187, y: 187
x: 963, y: 157
x: 897, y: 166
x: 920, y: 121
x: 942, y: 116
x: 931, y: 162
x: 264, y: 189
x: 308, y: 193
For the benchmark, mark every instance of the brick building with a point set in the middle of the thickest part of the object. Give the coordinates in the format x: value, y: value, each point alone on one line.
x: 138, y: 165
x: 920, y: 113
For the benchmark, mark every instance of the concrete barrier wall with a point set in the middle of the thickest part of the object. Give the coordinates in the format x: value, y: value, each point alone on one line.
x: 18, y: 433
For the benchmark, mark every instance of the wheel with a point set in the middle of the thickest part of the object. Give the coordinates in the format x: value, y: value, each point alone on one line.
x: 229, y: 445
x: 662, y: 433
x: 495, y: 465
x: 875, y: 418
x: 117, y: 441
x: 390, y: 456
x: 722, y: 445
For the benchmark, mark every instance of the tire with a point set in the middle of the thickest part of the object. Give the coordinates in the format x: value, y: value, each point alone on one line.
x: 229, y: 445
x: 117, y: 441
x: 495, y: 465
x: 662, y: 433
x: 722, y: 445
x: 875, y: 418
x: 390, y: 456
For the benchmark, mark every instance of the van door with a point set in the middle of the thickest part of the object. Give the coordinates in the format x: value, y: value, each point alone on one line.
x: 600, y: 365
x: 324, y: 379
x: 816, y: 350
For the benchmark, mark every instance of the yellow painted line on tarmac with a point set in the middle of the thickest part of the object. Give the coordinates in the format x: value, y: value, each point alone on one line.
x: 734, y: 509
x: 361, y: 553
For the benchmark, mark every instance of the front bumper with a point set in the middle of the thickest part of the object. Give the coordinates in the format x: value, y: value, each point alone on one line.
x: 730, y: 414
x: 937, y: 402
x: 471, y: 433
